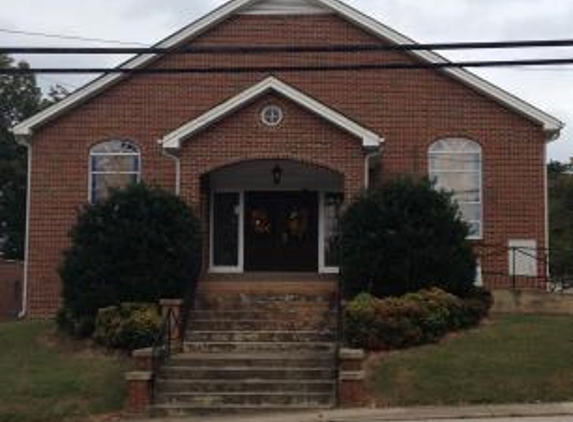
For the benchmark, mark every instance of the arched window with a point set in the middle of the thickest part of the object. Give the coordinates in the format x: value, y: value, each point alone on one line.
x: 455, y: 164
x: 113, y: 164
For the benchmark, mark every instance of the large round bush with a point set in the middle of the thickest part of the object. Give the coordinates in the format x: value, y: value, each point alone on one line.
x: 139, y: 245
x: 403, y: 237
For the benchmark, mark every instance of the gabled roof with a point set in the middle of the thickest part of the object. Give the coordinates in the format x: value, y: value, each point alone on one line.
x: 174, y: 139
x: 549, y: 123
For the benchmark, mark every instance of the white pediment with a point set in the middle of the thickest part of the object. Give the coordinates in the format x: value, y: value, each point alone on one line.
x: 286, y: 7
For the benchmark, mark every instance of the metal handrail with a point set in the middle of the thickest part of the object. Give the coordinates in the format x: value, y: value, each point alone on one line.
x: 339, y: 337
x: 161, y: 348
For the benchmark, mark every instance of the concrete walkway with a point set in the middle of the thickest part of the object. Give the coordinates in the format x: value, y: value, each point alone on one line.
x: 392, y: 414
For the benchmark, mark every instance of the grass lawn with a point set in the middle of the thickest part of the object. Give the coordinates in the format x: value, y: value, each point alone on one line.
x: 511, y: 359
x: 45, y: 378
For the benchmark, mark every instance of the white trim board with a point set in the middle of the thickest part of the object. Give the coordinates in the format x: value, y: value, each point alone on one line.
x: 286, y: 7
x: 174, y: 139
x: 551, y: 124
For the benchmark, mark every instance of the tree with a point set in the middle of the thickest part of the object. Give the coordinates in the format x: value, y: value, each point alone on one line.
x: 403, y: 237
x: 20, y: 97
x: 560, y: 218
x: 141, y: 244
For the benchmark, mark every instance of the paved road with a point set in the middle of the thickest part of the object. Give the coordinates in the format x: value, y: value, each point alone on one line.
x: 512, y: 419
x: 548, y: 412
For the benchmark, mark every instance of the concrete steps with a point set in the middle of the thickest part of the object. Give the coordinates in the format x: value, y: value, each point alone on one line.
x: 167, y: 385
x: 278, y: 398
x: 258, y: 336
x: 299, y: 360
x: 250, y: 353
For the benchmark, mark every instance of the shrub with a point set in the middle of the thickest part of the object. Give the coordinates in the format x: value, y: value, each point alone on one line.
x: 128, y: 326
x: 403, y: 237
x: 139, y: 245
x: 475, y: 307
x: 410, y: 320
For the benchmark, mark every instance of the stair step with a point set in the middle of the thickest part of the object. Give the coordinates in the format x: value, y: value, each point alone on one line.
x: 250, y: 313
x: 258, y: 336
x: 245, y: 373
x: 284, y: 360
x: 256, y: 347
x: 175, y: 410
x: 249, y: 398
x: 318, y: 323
x: 261, y: 299
x: 250, y: 385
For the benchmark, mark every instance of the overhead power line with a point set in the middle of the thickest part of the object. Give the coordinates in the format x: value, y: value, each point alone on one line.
x: 68, y: 37
x: 300, y: 68
x: 343, y: 48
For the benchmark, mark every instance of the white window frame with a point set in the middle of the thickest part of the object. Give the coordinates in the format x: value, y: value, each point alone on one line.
x: 93, y: 172
x: 434, y: 174
x: 239, y: 268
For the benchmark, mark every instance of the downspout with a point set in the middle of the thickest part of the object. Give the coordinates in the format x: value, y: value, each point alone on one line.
x: 371, y: 153
x: 177, y: 169
x: 25, y: 141
x: 546, y: 211
x: 550, y: 137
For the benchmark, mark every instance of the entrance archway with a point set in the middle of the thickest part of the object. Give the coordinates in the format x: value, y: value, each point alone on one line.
x: 274, y: 215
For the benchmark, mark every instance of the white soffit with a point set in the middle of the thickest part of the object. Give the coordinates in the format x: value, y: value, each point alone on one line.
x: 174, y: 139
x: 549, y: 123
x: 286, y: 7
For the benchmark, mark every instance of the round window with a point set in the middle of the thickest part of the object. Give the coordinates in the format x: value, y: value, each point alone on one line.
x: 272, y: 115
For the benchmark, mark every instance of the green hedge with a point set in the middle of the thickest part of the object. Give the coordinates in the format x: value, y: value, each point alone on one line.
x: 128, y: 326
x: 412, y: 319
x: 141, y: 244
x: 404, y: 236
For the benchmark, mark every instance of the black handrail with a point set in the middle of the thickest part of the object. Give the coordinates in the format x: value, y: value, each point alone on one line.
x: 161, y: 348
x: 339, y: 336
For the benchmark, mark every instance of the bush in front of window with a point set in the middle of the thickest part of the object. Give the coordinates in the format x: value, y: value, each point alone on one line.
x: 140, y: 244
x: 402, y: 237
x: 411, y: 320
x: 128, y: 326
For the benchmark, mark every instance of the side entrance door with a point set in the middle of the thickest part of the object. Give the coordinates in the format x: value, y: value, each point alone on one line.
x: 281, y: 231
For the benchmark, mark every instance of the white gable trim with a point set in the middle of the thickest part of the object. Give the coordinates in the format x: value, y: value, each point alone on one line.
x: 174, y: 139
x: 549, y: 123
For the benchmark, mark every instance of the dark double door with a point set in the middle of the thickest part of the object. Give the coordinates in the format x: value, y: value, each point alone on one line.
x: 281, y: 231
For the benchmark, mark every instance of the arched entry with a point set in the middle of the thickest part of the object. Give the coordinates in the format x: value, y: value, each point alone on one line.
x: 274, y: 215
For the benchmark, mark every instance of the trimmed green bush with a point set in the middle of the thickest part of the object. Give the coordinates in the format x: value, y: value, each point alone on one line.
x: 128, y: 326
x: 411, y: 320
x: 139, y: 245
x: 403, y: 237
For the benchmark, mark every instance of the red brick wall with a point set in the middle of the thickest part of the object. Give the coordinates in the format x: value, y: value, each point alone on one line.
x: 11, y: 277
x: 410, y: 109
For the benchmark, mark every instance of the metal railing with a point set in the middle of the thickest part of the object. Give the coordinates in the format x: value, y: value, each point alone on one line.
x: 172, y: 329
x: 338, y: 307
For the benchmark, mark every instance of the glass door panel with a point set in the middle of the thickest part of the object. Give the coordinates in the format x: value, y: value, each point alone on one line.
x: 226, y: 216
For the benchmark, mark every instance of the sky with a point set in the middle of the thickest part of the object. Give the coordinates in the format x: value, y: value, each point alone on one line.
x: 426, y: 21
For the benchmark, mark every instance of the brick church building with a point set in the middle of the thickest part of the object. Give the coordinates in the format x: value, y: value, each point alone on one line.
x: 268, y: 157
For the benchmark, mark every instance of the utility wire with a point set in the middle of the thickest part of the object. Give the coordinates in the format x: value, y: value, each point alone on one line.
x: 343, y: 48
x: 301, y: 68
x: 68, y: 37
